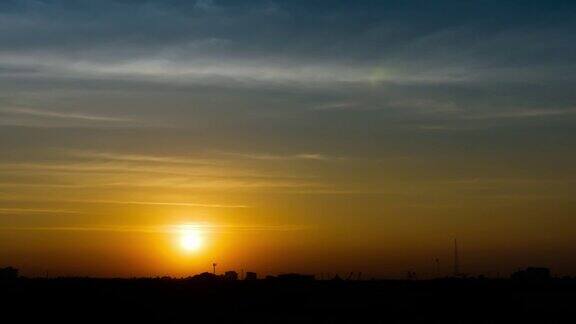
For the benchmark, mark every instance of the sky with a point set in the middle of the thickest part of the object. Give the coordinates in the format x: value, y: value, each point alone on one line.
x: 292, y: 136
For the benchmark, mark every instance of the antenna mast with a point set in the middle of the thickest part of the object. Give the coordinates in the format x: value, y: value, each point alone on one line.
x: 456, y: 260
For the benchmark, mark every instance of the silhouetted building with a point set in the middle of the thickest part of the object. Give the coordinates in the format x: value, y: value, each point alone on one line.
x: 532, y: 274
x: 205, y: 276
x: 251, y: 276
x: 230, y: 275
x: 8, y: 273
x: 296, y: 277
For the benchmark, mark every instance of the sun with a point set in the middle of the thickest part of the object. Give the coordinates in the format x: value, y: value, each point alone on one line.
x: 191, y: 239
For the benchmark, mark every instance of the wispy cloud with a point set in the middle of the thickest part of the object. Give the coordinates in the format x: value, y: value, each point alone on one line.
x: 451, y: 128
x: 138, y: 157
x: 522, y: 113
x: 213, y: 157
x: 153, y: 203
x: 214, y: 185
x: 132, y: 169
x: 279, y: 157
x: 175, y: 183
x: 113, y: 202
x: 36, y: 210
x: 213, y: 171
x: 508, y: 181
x: 63, y: 115
x: 418, y: 105
x: 255, y: 71
x: 337, y: 106
x: 172, y: 229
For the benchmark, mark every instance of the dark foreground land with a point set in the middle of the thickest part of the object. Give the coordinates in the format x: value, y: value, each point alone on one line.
x: 264, y: 301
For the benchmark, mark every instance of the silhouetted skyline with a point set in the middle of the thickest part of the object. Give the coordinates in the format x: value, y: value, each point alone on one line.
x: 158, y: 137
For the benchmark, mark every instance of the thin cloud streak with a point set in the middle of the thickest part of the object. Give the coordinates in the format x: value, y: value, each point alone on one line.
x: 207, y: 161
x: 160, y: 229
x: 109, y: 169
x: 276, y: 157
x: 33, y: 210
x: 55, y: 114
x: 526, y: 113
x: 174, y: 183
x: 151, y: 203
x: 120, y: 202
x: 139, y: 158
x: 248, y: 71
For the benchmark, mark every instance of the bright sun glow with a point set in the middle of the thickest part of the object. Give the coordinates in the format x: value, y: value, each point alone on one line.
x: 191, y: 239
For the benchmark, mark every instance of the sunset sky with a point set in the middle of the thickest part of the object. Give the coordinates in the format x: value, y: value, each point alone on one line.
x: 288, y: 136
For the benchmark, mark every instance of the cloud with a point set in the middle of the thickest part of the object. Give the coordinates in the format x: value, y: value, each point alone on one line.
x: 163, y: 229
x: 395, y: 103
x: 213, y: 157
x: 337, y: 106
x: 153, y: 203
x: 248, y: 71
x: 63, y: 115
x: 270, y: 84
x: 138, y: 157
x: 345, y: 57
x: 104, y: 175
x: 205, y: 4
x: 36, y: 211
x: 277, y: 157
x: 112, y: 202
x: 522, y: 113
x: 213, y: 171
